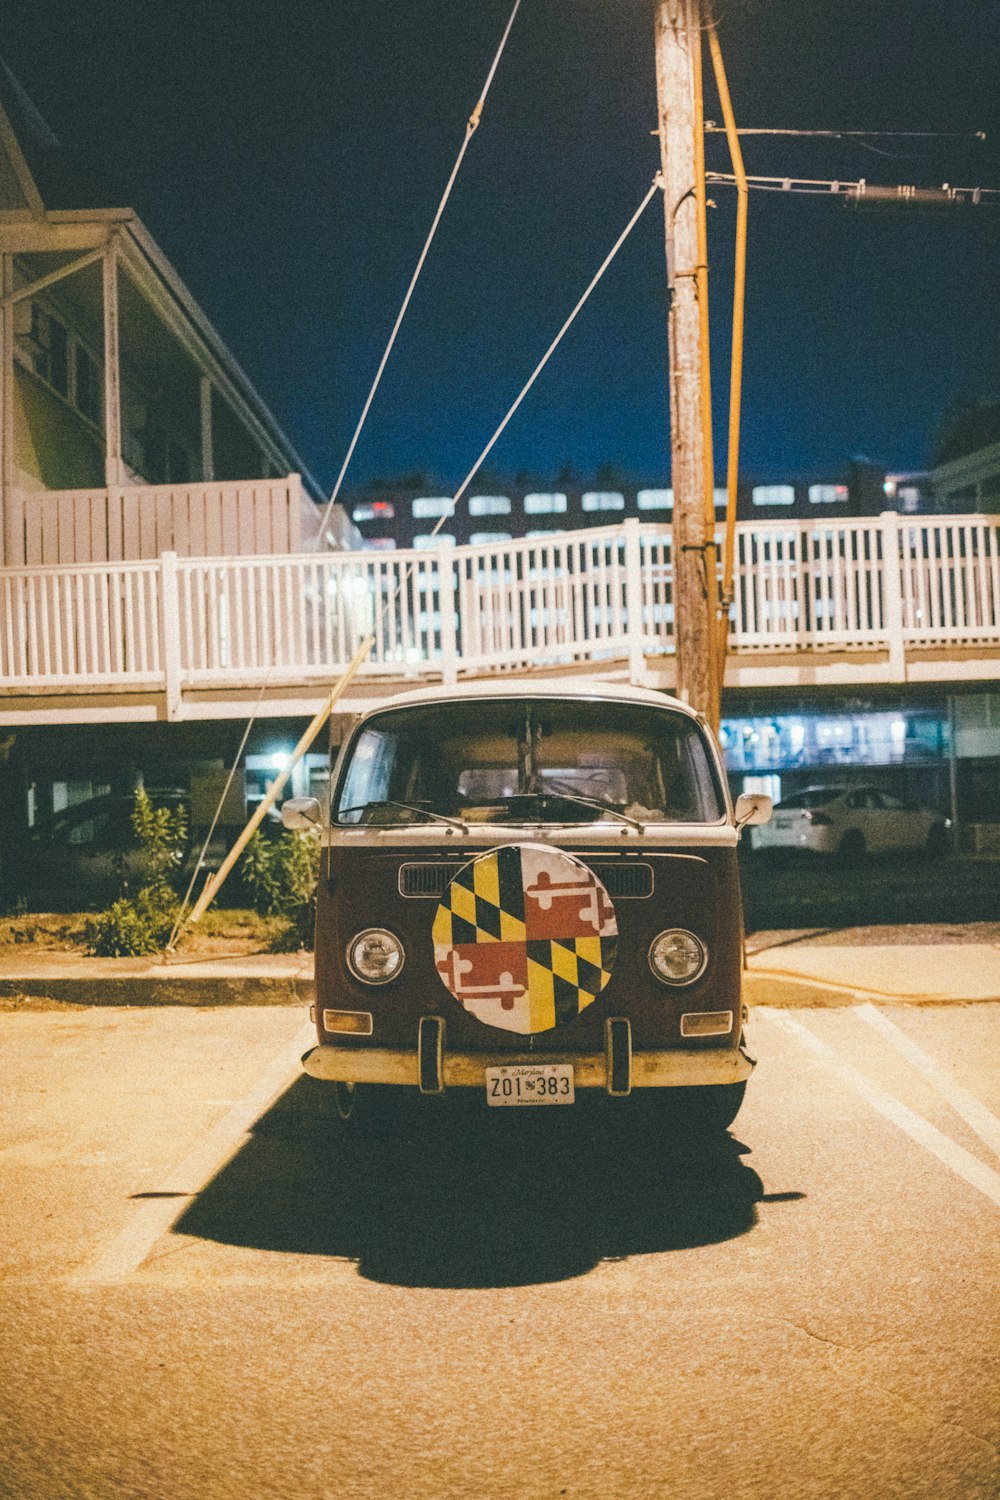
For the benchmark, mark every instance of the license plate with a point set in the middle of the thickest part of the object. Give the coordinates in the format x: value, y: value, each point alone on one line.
x: 530, y: 1083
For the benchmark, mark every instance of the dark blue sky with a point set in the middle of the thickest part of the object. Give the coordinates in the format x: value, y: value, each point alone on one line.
x: 289, y: 157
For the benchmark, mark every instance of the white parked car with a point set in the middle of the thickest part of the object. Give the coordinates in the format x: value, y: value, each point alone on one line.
x: 852, y: 822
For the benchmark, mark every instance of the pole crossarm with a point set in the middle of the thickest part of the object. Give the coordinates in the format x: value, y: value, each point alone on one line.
x: 862, y: 189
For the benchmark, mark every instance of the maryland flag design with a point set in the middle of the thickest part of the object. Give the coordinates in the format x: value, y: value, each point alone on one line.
x: 525, y: 938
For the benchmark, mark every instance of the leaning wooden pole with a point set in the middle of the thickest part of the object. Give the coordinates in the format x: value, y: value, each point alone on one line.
x: 214, y: 885
x: 678, y: 56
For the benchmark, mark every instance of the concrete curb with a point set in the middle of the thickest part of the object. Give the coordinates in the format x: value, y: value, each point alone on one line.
x: 781, y: 989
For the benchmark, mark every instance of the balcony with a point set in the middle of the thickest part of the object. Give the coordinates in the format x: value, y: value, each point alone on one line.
x: 129, y: 523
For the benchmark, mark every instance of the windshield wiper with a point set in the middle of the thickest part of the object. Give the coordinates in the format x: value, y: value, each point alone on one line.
x: 414, y: 807
x: 553, y: 790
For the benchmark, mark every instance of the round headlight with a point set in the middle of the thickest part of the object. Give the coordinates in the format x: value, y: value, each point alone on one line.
x: 677, y: 957
x: 375, y: 955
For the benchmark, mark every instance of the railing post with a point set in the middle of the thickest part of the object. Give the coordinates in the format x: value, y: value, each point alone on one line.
x: 892, y: 595
x: 633, y: 601
x: 446, y: 607
x: 170, y: 632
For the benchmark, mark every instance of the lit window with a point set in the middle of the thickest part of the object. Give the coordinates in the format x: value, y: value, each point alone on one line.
x: 774, y: 494
x: 655, y: 499
x: 430, y: 509
x: 380, y: 544
x: 489, y: 505
x: 437, y: 539
x: 603, y: 500
x: 721, y: 498
x: 909, y: 499
x: 544, y: 505
x: 376, y: 510
x: 483, y: 538
x: 827, y: 494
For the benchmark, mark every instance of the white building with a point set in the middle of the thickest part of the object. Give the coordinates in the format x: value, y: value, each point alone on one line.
x: 128, y: 428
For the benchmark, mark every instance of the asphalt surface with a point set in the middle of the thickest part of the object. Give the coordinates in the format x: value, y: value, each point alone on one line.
x: 812, y: 891
x: 207, y: 1295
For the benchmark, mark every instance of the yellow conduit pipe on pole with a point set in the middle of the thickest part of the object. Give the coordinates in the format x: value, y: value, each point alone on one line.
x: 736, y: 362
x: 214, y: 885
x: 705, y: 379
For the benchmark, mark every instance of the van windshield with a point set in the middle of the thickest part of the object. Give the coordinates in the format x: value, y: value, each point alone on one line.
x: 529, y: 761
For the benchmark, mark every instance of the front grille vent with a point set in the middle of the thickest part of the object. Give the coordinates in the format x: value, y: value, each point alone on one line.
x: 626, y: 881
x: 428, y: 880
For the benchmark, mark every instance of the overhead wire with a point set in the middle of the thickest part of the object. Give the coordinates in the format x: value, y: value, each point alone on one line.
x: 655, y: 186
x: 472, y: 125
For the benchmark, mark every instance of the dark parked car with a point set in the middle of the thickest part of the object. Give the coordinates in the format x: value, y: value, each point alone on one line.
x: 89, y: 847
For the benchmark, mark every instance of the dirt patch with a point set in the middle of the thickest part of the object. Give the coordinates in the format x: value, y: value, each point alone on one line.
x: 32, y: 1003
x: 220, y: 934
x: 888, y: 936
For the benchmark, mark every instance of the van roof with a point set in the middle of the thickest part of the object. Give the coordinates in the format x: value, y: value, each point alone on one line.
x: 553, y: 687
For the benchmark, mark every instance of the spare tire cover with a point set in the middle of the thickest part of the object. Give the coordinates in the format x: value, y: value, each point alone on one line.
x: 525, y: 938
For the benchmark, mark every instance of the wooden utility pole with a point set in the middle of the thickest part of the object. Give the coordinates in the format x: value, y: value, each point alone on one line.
x: 695, y: 587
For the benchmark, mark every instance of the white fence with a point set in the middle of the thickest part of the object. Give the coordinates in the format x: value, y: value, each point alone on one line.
x: 604, y: 595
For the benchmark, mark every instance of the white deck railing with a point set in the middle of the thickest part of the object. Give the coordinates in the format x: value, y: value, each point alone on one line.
x: 888, y: 584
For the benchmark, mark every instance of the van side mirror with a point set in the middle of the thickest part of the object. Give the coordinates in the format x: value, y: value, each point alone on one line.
x: 301, y: 813
x: 752, y: 809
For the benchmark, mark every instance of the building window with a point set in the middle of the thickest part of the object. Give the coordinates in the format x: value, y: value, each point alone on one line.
x: 774, y: 494
x: 436, y: 539
x: 49, y: 349
x: 655, y: 499
x: 380, y: 544
x: 544, y: 505
x: 489, y: 505
x: 429, y: 508
x: 164, y: 459
x: 721, y: 498
x: 88, y: 386
x: 377, y: 510
x: 56, y: 356
x: 603, y: 500
x: 827, y: 494
x: 484, y: 538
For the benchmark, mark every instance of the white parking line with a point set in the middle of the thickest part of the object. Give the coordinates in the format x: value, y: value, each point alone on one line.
x: 966, y: 1105
x: 955, y: 1157
x: 154, y: 1216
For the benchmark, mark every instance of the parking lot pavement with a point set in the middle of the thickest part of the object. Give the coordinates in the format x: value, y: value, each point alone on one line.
x: 99, y: 1106
x: 526, y: 1306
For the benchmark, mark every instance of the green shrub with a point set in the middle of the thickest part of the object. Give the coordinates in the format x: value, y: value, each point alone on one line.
x: 280, y: 875
x: 141, y: 923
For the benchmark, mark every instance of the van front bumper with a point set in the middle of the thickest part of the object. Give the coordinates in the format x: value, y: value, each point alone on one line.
x: 432, y: 1068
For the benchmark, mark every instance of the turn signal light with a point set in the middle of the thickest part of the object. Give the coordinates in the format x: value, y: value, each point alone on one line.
x: 355, y: 1022
x: 707, y: 1023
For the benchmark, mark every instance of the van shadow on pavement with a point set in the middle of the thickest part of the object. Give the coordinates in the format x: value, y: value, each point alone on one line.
x: 448, y: 1193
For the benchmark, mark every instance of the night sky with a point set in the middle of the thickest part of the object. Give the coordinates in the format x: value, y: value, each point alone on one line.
x: 288, y: 158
